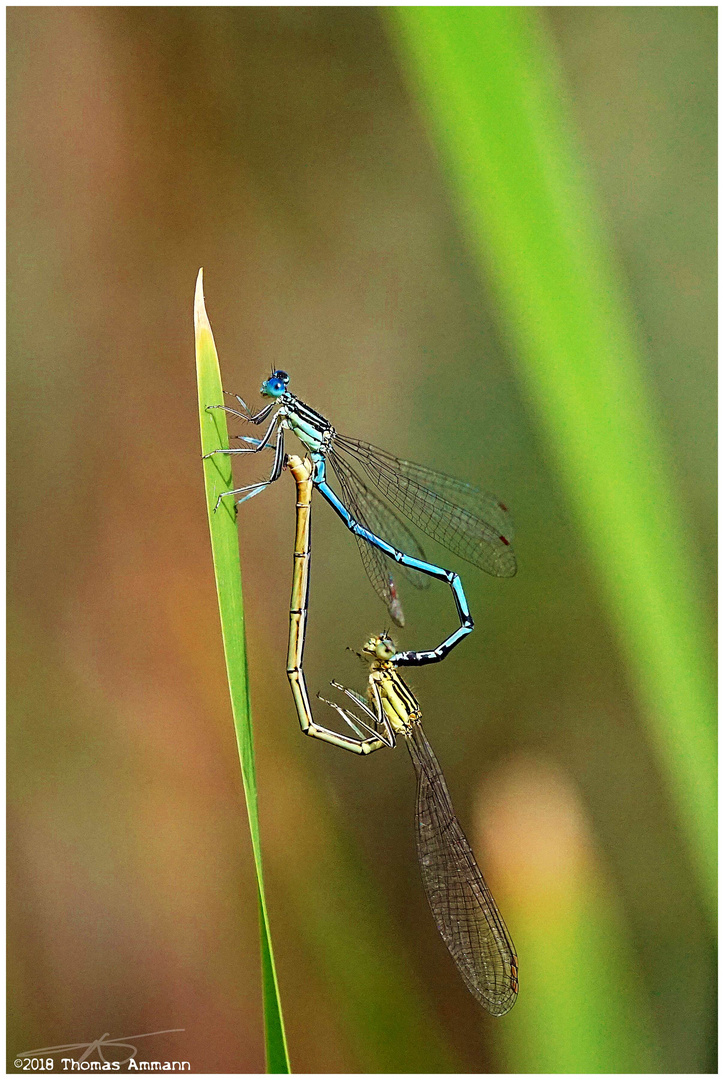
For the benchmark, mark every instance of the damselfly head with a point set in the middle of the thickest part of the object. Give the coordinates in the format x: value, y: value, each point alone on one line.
x: 275, y: 385
x: 379, y: 647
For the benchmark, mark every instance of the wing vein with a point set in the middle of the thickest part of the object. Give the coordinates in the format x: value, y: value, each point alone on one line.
x: 473, y: 524
x: 461, y: 903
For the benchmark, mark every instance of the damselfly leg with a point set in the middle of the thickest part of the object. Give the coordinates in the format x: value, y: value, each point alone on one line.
x: 377, y: 716
x: 277, y: 468
x: 246, y: 415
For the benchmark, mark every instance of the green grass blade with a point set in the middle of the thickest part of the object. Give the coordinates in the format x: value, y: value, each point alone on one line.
x: 488, y: 78
x: 225, y: 549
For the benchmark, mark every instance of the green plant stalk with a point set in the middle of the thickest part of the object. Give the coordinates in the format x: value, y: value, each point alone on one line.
x: 227, y: 568
x: 489, y: 82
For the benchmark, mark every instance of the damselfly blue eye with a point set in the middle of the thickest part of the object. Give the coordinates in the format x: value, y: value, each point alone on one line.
x: 275, y: 386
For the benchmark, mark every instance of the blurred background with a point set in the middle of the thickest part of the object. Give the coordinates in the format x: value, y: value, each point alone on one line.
x: 280, y: 149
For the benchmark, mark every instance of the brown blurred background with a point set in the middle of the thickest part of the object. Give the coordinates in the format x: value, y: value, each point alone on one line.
x: 278, y: 149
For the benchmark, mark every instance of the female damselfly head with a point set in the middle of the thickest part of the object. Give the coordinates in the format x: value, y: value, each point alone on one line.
x: 275, y: 385
x: 379, y: 647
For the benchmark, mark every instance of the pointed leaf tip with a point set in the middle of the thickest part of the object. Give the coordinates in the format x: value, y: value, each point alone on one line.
x: 200, y: 316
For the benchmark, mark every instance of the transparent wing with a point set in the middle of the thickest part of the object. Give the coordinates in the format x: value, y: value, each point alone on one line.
x: 375, y: 515
x: 461, y: 903
x: 384, y: 522
x: 478, y: 503
x: 472, y: 523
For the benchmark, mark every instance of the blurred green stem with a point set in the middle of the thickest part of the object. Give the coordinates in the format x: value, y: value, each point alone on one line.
x: 489, y: 81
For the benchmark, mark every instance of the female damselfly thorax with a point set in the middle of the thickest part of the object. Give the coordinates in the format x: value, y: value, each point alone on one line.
x: 469, y: 522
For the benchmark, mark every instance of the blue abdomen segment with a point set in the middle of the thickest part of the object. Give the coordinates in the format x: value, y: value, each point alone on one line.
x: 408, y: 658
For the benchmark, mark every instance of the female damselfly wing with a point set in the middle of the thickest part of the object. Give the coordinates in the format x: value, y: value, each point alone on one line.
x: 461, y: 903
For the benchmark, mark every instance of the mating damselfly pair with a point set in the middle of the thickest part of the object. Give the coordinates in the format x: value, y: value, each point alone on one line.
x: 462, y: 905
x: 473, y: 525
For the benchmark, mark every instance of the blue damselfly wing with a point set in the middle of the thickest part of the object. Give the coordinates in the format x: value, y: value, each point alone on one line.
x: 471, y: 523
x: 375, y: 516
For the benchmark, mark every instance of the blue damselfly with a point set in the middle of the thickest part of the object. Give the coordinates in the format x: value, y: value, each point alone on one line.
x: 469, y: 522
